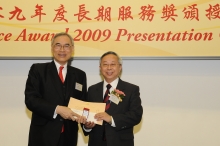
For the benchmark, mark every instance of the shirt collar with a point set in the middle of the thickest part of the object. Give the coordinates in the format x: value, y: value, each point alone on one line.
x: 58, y: 65
x: 113, y: 83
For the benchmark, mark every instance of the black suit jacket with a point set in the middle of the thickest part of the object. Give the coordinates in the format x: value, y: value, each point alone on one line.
x: 126, y: 115
x: 44, y: 91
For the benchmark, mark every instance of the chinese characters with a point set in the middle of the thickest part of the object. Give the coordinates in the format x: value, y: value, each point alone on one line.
x: 146, y: 13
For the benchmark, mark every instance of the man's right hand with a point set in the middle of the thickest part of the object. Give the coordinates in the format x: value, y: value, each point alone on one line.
x: 66, y: 113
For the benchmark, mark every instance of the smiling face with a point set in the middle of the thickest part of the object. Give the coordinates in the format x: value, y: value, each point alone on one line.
x: 62, y: 49
x: 110, y: 67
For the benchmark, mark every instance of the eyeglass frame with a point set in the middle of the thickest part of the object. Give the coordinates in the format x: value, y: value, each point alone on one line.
x: 65, y: 47
x: 112, y: 65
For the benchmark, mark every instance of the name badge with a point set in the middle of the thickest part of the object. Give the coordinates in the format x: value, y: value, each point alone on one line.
x: 114, y: 99
x: 78, y: 86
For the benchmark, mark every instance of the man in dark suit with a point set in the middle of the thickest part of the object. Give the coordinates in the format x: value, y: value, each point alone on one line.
x: 49, y: 87
x: 122, y: 115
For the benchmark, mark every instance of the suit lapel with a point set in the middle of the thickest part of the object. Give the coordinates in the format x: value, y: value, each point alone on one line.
x: 121, y: 85
x: 70, y: 79
x: 55, y: 78
x: 99, y: 91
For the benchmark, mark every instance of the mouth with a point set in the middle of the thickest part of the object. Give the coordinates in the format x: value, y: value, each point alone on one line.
x: 62, y: 55
x: 109, y: 73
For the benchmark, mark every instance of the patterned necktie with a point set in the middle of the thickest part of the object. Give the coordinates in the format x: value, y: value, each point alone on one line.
x: 60, y: 74
x: 106, y: 97
x: 107, y: 101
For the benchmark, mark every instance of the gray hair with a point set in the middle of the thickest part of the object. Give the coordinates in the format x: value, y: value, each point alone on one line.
x: 62, y: 34
x: 113, y: 53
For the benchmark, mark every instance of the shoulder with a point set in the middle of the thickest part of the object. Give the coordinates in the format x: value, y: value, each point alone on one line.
x: 128, y: 84
x: 97, y: 85
x: 40, y: 65
x: 76, y: 70
x: 38, y: 69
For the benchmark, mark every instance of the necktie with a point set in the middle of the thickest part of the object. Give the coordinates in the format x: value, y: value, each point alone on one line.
x: 61, y: 78
x: 106, y: 97
x: 60, y: 73
x: 107, y: 101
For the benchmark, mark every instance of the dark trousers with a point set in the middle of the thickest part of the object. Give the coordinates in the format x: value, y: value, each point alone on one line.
x: 61, y: 140
x: 104, y: 143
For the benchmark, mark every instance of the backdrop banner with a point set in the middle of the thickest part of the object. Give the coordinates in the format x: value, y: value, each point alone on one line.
x: 142, y: 28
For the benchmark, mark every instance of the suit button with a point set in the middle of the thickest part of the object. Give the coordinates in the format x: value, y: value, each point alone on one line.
x: 61, y: 120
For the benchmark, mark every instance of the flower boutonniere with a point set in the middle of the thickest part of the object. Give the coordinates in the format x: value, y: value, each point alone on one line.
x: 119, y: 94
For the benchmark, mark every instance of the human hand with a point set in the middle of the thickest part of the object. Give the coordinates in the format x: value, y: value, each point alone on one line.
x: 81, y: 119
x: 103, y: 116
x: 89, y: 125
x: 67, y: 113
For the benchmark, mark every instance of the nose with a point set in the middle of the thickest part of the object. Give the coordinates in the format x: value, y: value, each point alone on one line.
x: 109, y: 66
x: 62, y: 48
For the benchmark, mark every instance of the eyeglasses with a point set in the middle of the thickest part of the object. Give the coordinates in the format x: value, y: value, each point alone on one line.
x: 112, y: 65
x: 65, y: 47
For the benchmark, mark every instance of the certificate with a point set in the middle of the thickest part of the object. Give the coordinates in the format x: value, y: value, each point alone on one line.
x: 87, y: 109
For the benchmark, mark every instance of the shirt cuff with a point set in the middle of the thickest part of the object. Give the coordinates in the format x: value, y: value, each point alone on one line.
x: 87, y: 130
x: 113, y: 122
x: 55, y: 113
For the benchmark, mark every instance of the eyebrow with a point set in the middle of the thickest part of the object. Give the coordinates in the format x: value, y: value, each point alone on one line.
x: 109, y: 62
x: 60, y: 44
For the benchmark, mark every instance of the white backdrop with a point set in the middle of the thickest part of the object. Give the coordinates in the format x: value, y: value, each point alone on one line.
x: 181, y: 100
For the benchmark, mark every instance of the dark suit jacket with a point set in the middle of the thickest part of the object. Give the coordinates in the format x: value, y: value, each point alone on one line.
x: 126, y: 115
x: 44, y: 91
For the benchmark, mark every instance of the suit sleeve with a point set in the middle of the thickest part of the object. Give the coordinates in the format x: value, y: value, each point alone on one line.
x: 133, y: 114
x: 33, y: 95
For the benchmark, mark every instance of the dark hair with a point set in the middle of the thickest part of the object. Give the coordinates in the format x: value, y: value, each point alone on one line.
x: 62, y: 34
x: 113, y: 53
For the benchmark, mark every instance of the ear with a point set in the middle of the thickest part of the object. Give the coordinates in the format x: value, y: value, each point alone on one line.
x: 72, y: 50
x: 120, y: 67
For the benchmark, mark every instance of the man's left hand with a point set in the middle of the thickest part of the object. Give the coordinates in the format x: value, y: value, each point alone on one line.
x: 103, y: 116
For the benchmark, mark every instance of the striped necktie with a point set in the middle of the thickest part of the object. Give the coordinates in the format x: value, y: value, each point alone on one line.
x: 106, y: 97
